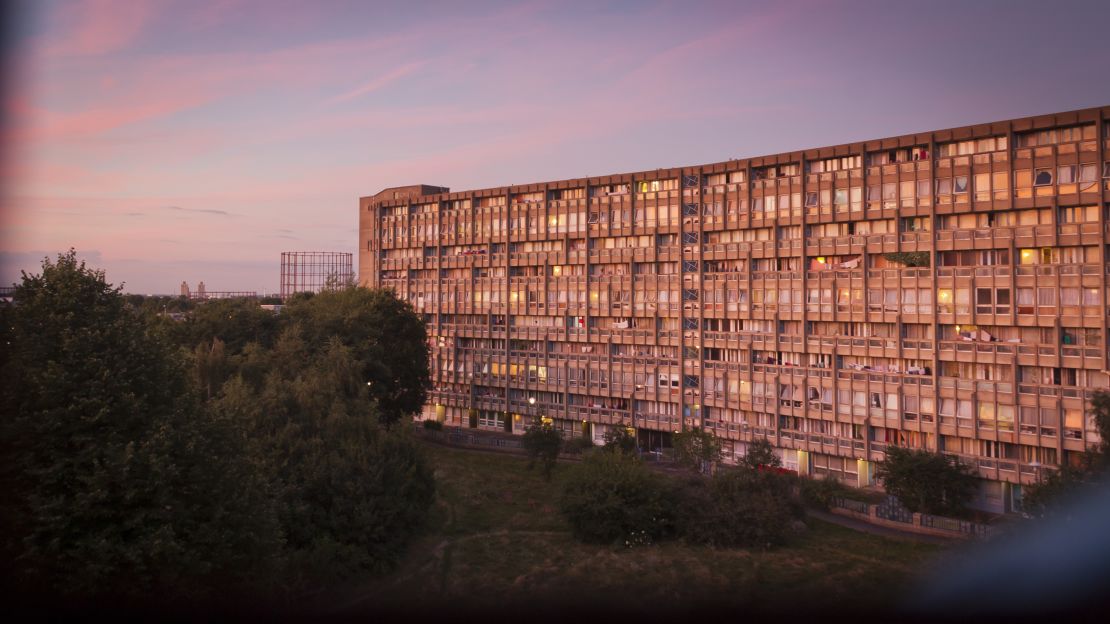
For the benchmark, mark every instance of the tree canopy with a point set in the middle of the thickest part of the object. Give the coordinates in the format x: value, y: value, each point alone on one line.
x: 925, y: 481
x: 119, y: 482
x: 248, y: 457
x: 385, y: 336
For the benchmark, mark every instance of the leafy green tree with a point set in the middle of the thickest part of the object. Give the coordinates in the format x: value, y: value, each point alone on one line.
x: 925, y: 481
x: 613, y: 497
x: 619, y: 439
x: 697, y: 449
x: 234, y: 322
x: 385, y: 336
x: 760, y: 455
x: 117, y: 483
x: 349, y: 494
x: 543, y: 444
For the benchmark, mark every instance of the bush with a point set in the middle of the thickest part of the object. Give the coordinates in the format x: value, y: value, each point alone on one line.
x: 433, y: 425
x: 578, y: 445
x: 738, y: 507
x: 819, y: 493
x: 614, y: 498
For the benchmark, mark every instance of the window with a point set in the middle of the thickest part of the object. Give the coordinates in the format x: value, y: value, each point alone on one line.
x: 1042, y: 177
x: 1046, y: 297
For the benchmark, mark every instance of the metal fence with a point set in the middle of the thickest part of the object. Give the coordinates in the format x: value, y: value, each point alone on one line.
x: 892, y: 509
x: 852, y: 505
x: 956, y: 526
x: 469, y: 439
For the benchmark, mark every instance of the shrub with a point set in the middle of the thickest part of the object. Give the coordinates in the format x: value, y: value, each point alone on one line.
x: 433, y: 425
x: 578, y: 445
x: 819, y: 493
x: 614, y: 498
x: 739, y: 507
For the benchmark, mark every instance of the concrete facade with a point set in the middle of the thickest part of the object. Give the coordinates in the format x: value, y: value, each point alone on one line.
x: 944, y: 290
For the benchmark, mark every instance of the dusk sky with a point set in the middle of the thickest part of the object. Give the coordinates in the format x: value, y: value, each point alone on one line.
x: 194, y: 140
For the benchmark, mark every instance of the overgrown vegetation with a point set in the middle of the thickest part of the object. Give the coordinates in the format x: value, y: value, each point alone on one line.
x: 496, y: 541
x: 908, y: 258
x: 614, y: 498
x: 739, y: 507
x: 233, y: 452
x: 925, y: 481
x: 819, y: 493
x: 543, y: 444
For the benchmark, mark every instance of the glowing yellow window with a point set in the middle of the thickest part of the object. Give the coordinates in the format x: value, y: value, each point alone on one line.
x: 1029, y: 256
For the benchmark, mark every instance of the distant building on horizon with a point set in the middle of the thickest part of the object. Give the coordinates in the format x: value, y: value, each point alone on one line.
x: 314, y: 271
x: 942, y: 290
x: 203, y: 294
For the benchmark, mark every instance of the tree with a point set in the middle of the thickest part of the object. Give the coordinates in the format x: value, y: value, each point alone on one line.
x: 697, y: 449
x: 385, y: 335
x: 542, y: 443
x: 349, y: 493
x: 117, y: 482
x: 1054, y: 489
x: 234, y: 322
x: 925, y: 481
x: 760, y: 455
x: 619, y: 439
x: 613, y: 497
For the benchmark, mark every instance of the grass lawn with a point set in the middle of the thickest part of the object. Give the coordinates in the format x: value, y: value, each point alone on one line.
x: 496, y: 540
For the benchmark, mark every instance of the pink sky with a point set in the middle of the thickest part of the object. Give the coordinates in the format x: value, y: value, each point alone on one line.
x: 171, y: 141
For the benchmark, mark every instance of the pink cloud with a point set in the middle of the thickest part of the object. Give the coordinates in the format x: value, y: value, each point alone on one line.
x: 98, y: 27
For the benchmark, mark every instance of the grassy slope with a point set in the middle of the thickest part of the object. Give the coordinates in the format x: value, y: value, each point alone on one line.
x: 496, y: 539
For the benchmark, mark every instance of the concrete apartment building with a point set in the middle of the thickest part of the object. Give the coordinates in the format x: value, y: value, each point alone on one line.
x: 943, y: 290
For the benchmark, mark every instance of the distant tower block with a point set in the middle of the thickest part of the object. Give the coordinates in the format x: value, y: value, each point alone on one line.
x: 185, y: 289
x: 200, y: 289
x: 313, y: 271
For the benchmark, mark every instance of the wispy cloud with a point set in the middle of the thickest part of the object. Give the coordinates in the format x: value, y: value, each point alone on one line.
x: 380, y: 81
x: 94, y: 27
x: 204, y: 210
